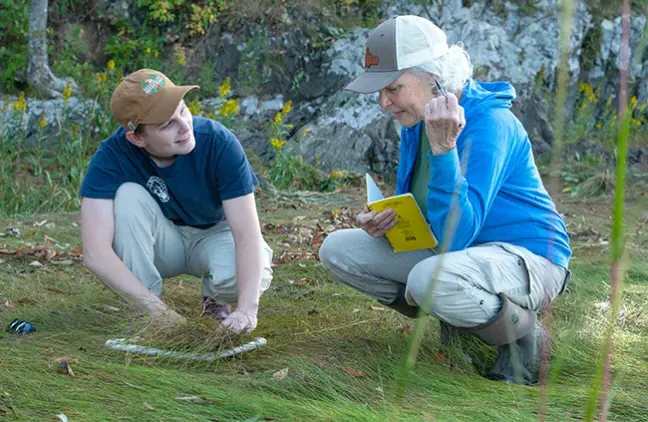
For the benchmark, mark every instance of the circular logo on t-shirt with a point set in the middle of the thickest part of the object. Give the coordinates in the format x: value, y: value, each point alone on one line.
x: 157, y: 186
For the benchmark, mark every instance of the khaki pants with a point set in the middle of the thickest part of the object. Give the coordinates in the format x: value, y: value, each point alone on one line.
x: 464, y: 293
x: 153, y: 248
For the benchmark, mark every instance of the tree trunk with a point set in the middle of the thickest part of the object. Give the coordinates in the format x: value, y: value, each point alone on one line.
x: 40, y: 77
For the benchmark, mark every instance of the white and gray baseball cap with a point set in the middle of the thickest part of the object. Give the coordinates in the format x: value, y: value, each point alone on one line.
x: 395, y: 45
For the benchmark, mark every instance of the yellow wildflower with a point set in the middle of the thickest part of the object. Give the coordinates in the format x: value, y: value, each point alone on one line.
x: 598, y: 125
x: 156, y: 53
x: 277, y: 143
x: 287, y: 107
x: 304, y: 132
x: 225, y: 87
x: 337, y: 174
x: 110, y: 65
x: 635, y: 122
x: 42, y: 121
x: 148, y: 50
x: 230, y: 108
x: 67, y: 92
x: 101, y: 78
x: 277, y: 118
x: 633, y: 103
x: 20, y: 104
x: 643, y: 107
x: 587, y: 91
x: 181, y: 59
x: 195, y: 107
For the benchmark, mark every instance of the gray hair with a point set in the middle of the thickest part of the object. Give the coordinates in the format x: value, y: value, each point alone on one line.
x: 453, y: 69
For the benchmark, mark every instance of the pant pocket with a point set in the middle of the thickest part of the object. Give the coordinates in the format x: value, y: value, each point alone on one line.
x: 545, y: 278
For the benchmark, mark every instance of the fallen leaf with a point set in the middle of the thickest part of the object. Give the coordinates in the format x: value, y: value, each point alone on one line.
x: 111, y: 309
x: 147, y: 406
x: 50, y: 239
x: 76, y: 251
x: 354, y: 372
x: 300, y: 282
x: 59, y: 291
x: 408, y: 327
x: 280, y: 375
x: 8, y: 304
x: 35, y: 264
x: 377, y: 308
x: 64, y: 362
x: 356, y: 310
x: 438, y: 357
x: 62, y: 417
x: 379, y: 389
x: 50, y: 225
x: 44, y: 252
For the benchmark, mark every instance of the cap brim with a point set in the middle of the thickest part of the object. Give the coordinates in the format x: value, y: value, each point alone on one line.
x: 167, y: 105
x: 370, y: 82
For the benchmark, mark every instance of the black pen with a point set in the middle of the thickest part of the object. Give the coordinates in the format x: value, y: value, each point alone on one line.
x: 441, y: 90
x: 445, y: 94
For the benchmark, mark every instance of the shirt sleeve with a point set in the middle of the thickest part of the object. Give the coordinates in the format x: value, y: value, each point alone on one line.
x: 103, y: 176
x: 463, y: 184
x: 234, y: 173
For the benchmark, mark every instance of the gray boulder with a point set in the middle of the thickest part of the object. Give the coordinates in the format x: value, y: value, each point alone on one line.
x: 58, y: 115
x: 351, y: 133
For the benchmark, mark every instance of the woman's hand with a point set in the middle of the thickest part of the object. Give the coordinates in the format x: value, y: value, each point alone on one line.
x: 376, y: 224
x: 444, y: 120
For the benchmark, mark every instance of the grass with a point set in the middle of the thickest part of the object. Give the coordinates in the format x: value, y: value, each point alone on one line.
x: 343, y: 357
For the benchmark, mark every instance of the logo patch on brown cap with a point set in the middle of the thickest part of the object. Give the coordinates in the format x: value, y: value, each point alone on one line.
x: 370, y: 60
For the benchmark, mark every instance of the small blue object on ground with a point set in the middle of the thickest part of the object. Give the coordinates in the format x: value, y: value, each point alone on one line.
x: 19, y: 326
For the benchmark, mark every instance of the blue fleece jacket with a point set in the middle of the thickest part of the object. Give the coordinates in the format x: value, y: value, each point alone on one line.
x: 499, y: 196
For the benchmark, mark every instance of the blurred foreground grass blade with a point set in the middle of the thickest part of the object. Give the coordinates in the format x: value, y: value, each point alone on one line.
x: 566, y: 26
x: 421, y: 324
x: 602, y: 379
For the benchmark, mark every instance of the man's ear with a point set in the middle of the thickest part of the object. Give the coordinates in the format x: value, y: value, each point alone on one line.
x: 135, y: 139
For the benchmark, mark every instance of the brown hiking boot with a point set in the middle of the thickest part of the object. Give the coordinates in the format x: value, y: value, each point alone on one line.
x: 215, y: 310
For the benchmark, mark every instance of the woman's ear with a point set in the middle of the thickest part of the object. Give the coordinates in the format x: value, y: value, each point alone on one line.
x: 135, y: 139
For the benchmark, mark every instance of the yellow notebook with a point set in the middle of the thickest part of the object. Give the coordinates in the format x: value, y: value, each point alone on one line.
x: 411, y: 231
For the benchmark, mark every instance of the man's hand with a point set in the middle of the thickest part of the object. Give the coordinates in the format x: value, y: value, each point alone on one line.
x: 241, y: 321
x: 444, y: 120
x: 167, y: 318
x: 376, y: 224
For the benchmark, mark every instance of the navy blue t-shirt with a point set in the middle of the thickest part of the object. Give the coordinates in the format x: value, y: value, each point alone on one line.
x: 191, y: 190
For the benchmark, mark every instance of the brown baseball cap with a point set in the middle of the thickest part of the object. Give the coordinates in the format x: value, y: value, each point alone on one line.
x: 395, y: 45
x: 146, y: 97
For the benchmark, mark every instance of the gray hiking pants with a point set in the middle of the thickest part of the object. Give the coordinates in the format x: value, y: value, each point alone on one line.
x: 459, y: 287
x: 153, y: 247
